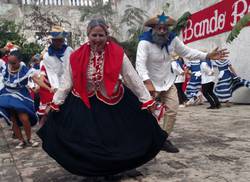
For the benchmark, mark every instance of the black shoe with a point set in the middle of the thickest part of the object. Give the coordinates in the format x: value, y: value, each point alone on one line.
x: 14, y: 136
x: 169, y: 147
x: 218, y: 106
x: 211, y: 107
x: 132, y: 173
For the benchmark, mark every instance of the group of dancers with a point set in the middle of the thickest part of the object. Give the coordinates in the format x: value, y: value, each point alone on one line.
x: 215, y: 80
x: 95, y: 108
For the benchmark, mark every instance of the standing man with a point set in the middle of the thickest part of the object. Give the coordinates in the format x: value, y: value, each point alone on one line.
x: 52, y: 67
x: 154, y: 66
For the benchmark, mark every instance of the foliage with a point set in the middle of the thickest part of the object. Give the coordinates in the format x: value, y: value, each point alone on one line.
x: 244, y: 21
x: 130, y: 46
x: 30, y: 49
x: 9, y: 31
x: 43, y: 21
x: 181, y: 23
x: 100, y: 9
x: 133, y: 18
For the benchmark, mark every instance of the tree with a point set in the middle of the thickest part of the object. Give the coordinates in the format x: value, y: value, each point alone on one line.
x: 243, y: 22
x: 133, y: 18
x: 99, y: 8
x: 43, y: 21
x: 9, y: 31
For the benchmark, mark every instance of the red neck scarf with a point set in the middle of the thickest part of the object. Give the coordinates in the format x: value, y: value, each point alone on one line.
x: 79, y: 61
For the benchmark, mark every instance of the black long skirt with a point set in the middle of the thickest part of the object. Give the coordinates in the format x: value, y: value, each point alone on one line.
x: 103, y: 140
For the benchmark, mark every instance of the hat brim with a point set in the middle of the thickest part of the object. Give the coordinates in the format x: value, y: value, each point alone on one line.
x: 176, y: 57
x: 155, y: 21
x: 58, y: 35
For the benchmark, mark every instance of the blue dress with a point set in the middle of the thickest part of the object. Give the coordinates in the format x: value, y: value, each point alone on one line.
x: 194, y: 84
x: 228, y: 82
x: 15, y: 95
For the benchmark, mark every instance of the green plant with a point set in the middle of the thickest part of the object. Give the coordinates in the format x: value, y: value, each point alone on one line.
x: 181, y: 23
x: 130, y: 45
x: 133, y: 18
x: 244, y: 21
x: 42, y: 21
x: 10, y: 31
x: 30, y: 49
x: 99, y: 8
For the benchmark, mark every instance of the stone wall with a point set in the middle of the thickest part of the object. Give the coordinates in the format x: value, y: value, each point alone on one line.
x: 70, y: 14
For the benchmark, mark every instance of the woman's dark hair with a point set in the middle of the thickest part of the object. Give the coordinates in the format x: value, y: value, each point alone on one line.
x: 17, y: 54
x: 2, y: 52
x: 97, y: 22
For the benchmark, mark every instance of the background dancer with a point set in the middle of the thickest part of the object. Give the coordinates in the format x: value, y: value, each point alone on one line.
x: 228, y: 81
x: 207, y: 81
x: 179, y: 69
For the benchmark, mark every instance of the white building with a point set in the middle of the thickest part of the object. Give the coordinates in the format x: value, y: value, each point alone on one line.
x: 58, y: 2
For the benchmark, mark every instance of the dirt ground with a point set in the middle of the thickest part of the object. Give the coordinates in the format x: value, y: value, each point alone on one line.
x: 214, y: 147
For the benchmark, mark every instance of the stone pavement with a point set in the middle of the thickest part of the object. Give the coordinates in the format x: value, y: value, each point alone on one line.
x: 214, y: 147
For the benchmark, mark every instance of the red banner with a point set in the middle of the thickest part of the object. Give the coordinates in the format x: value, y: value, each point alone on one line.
x: 216, y: 19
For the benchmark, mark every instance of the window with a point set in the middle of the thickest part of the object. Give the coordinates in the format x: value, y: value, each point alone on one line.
x: 44, y: 2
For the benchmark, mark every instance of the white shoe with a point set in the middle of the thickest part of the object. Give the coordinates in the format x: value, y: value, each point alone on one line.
x: 32, y: 143
x: 182, y: 106
x: 190, y: 102
x: 21, y: 145
x: 228, y: 104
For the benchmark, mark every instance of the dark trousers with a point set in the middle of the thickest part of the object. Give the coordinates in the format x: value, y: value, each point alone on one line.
x: 207, y: 90
x: 181, y: 95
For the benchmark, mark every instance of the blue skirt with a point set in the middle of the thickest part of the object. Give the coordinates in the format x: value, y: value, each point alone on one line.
x: 193, y: 86
x: 227, y: 84
x: 18, y: 101
x: 104, y: 139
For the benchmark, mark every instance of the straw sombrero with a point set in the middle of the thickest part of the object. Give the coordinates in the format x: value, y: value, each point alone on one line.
x: 57, y: 32
x: 160, y: 19
x: 175, y: 56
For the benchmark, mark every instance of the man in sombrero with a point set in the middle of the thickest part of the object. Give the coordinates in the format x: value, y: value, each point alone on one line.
x: 55, y: 60
x: 154, y: 66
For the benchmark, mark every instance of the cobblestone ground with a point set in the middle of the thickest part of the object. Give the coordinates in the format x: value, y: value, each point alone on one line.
x: 214, y: 147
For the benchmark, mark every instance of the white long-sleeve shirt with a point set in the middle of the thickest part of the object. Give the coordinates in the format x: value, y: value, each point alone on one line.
x: 154, y: 63
x: 2, y: 63
x: 55, y: 67
x: 128, y: 74
x: 206, y: 73
x: 179, y: 72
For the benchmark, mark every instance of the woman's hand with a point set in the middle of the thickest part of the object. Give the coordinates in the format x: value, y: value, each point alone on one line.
x: 47, y: 110
x: 149, y: 85
x: 35, y: 89
x: 151, y: 108
x: 39, y: 80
